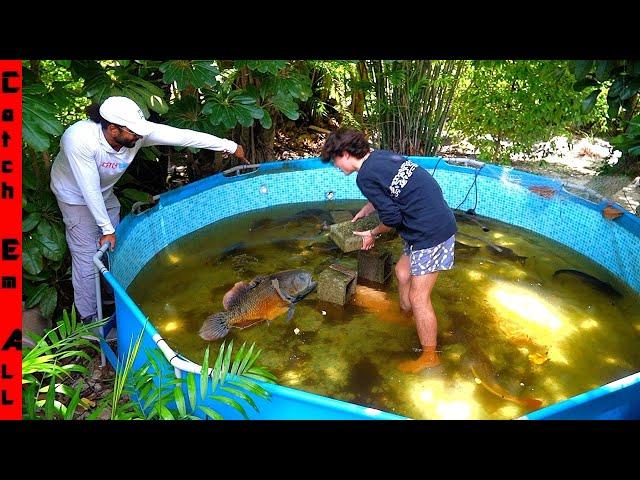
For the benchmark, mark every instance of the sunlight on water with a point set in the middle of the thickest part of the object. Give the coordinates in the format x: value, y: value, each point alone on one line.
x: 525, y: 312
x: 511, y: 336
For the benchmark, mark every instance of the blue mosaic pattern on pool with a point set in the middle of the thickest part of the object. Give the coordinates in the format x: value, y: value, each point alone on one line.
x: 502, y: 194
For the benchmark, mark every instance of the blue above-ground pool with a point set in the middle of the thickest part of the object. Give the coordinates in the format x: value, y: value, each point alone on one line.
x: 504, y: 194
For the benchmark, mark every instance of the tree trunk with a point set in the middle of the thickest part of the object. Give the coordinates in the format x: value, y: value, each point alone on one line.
x: 46, y: 159
x: 357, y: 94
x: 257, y: 141
x: 193, y: 165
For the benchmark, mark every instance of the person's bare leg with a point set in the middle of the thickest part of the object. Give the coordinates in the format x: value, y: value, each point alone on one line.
x: 426, y: 322
x: 403, y: 274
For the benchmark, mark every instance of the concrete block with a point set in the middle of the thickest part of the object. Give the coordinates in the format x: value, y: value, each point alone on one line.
x: 342, y: 233
x: 337, y: 284
x: 375, y: 264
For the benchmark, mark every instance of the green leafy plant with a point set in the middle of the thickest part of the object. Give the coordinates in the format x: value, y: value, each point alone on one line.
x: 410, y: 102
x: 119, y: 78
x: 236, y: 107
x: 45, y: 258
x: 253, y: 97
x: 39, y: 122
x: 506, y: 106
x: 47, y: 369
x: 153, y: 391
x: 189, y: 73
x: 620, y: 79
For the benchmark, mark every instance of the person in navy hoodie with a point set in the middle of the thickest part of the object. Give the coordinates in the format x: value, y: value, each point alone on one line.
x: 408, y: 199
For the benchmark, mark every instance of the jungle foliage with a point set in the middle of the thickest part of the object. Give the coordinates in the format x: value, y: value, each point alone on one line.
x: 506, y: 106
x: 54, y: 367
x: 410, y: 106
x: 619, y: 82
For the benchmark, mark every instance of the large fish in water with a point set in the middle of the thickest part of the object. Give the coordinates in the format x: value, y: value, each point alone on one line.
x: 264, y: 298
x: 483, y: 371
x: 468, y: 218
x: 498, y: 250
x: 481, y: 367
x: 377, y: 301
x: 603, y: 287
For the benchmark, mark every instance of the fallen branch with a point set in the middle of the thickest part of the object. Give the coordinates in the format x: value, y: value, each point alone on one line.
x: 318, y: 129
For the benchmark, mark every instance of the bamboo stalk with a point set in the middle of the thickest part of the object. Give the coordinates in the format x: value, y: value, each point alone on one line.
x: 410, y: 101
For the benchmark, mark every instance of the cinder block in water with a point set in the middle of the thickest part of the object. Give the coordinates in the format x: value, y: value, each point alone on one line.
x: 340, y: 216
x: 342, y: 233
x: 374, y: 264
x: 337, y: 284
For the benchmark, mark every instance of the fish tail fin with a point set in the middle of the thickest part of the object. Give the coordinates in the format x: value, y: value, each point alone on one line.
x: 531, y: 402
x: 215, y: 326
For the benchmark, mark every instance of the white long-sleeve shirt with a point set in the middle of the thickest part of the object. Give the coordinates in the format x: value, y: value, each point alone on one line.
x: 87, y: 167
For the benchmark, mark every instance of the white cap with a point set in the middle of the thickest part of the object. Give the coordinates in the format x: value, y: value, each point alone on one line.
x: 124, y: 111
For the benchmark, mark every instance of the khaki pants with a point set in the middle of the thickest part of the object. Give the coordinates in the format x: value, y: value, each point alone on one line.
x: 83, y: 235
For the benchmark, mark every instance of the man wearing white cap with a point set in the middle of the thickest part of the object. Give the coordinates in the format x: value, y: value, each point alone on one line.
x: 94, y: 153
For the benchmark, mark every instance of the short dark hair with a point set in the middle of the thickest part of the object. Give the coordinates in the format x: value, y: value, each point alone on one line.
x: 345, y: 139
x: 93, y: 112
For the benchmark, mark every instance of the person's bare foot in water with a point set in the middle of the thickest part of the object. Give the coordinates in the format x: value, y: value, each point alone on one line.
x: 428, y: 359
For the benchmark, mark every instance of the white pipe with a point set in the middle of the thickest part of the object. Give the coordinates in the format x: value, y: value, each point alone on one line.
x: 173, y: 358
x: 467, y: 162
x: 239, y: 167
x: 99, y: 268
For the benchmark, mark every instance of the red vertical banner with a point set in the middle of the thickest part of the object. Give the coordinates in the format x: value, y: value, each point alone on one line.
x: 11, y: 240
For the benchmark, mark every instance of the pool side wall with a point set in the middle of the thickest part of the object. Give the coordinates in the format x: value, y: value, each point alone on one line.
x: 502, y: 194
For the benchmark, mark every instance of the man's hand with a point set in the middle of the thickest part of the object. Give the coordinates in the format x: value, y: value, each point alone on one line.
x: 368, y: 209
x: 239, y: 153
x: 111, y: 238
x: 368, y: 240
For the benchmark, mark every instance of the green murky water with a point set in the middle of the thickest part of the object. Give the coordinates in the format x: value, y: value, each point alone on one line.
x: 508, y: 329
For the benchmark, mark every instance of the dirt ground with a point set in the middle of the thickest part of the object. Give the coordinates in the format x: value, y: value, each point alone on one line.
x: 576, y: 161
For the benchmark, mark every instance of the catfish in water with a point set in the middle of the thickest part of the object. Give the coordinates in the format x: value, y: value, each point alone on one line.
x: 603, y: 287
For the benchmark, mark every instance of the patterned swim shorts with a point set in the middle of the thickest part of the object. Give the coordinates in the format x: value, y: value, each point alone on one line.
x: 429, y: 260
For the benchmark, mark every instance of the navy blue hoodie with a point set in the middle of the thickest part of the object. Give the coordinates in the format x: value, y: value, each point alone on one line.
x: 407, y: 198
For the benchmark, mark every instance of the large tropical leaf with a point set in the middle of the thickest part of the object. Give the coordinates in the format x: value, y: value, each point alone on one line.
x: 147, y: 95
x: 603, y: 68
x: 263, y: 66
x: 36, y: 295
x: 185, y: 73
x: 266, y: 121
x: 32, y: 260
x: 630, y: 89
x: 39, y: 122
x: 589, y: 102
x: 582, y: 68
x: 187, y: 113
x: 284, y: 102
x: 85, y: 69
x: 52, y: 239
x: 29, y: 179
x: 230, y: 110
x: 48, y: 301
x: 30, y: 221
